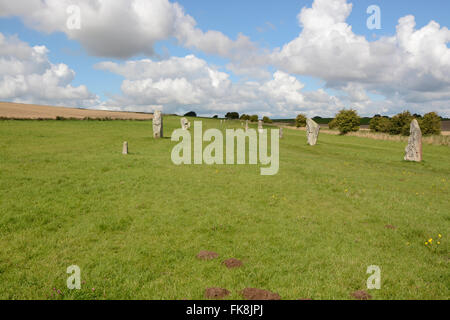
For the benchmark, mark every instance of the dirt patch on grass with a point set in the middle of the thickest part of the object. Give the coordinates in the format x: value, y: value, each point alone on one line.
x: 259, y: 294
x: 207, y: 255
x: 361, y: 295
x: 31, y: 111
x: 216, y: 293
x: 389, y: 226
x: 233, y: 263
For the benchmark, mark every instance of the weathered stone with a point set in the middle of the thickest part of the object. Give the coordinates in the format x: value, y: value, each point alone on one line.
x: 125, y: 148
x: 157, y: 125
x: 312, y: 131
x: 414, y: 148
x: 246, y: 125
x: 260, y: 126
x: 281, y: 133
x: 185, y: 124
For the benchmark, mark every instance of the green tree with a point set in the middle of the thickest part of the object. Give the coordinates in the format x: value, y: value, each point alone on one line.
x: 347, y: 121
x: 300, y: 121
x: 374, y: 123
x: 232, y: 115
x: 332, y: 124
x: 267, y: 120
x: 254, y: 118
x: 401, y: 123
x: 430, y: 124
x: 384, y: 125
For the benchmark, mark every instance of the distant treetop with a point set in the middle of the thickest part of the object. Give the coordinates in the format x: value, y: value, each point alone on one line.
x: 191, y: 114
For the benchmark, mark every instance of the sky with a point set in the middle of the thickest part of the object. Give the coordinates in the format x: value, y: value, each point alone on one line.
x: 266, y: 57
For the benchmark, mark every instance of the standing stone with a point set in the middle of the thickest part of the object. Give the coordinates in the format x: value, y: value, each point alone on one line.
x: 157, y: 125
x: 414, y: 148
x: 185, y: 124
x: 125, y: 148
x: 281, y: 133
x: 312, y: 131
x: 246, y: 125
x: 260, y: 126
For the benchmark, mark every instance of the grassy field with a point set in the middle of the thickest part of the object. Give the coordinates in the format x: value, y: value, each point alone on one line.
x: 134, y: 224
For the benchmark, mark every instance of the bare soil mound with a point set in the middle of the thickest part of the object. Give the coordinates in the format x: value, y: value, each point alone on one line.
x: 259, y: 294
x: 216, y: 293
x: 207, y: 255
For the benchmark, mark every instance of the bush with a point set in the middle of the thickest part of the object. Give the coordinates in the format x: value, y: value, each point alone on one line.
x: 384, y: 125
x: 232, y: 115
x: 267, y: 120
x: 300, y: 121
x: 374, y: 123
x: 430, y: 124
x: 332, y: 125
x: 254, y: 118
x: 401, y: 123
x: 191, y: 114
x: 245, y: 117
x: 347, y: 121
x: 380, y: 124
x: 216, y: 117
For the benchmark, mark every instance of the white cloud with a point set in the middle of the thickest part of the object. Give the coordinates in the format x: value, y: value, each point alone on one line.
x: 412, y: 66
x: 124, y: 28
x: 189, y: 83
x: 26, y: 75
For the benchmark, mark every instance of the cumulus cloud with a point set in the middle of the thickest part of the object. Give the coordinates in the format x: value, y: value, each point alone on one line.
x: 26, y: 75
x: 410, y: 69
x: 413, y: 65
x: 181, y: 84
x: 124, y: 28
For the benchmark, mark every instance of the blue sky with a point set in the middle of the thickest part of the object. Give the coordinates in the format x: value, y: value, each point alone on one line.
x: 268, y: 24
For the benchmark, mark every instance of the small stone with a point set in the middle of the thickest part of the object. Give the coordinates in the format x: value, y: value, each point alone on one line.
x: 185, y: 124
x: 157, y: 125
x: 216, y: 293
x: 312, y: 131
x: 260, y: 126
x: 125, y: 148
x: 414, y: 148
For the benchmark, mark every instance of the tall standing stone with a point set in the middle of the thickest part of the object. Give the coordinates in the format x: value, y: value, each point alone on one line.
x: 125, y: 148
x: 414, y: 148
x: 185, y: 124
x: 157, y: 125
x: 312, y: 131
x: 260, y: 126
x: 246, y: 125
x: 281, y: 133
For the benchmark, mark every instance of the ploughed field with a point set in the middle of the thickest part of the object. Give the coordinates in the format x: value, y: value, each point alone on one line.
x: 134, y: 224
x: 9, y: 110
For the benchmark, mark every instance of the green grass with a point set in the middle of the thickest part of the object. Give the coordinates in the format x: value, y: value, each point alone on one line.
x: 135, y: 223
